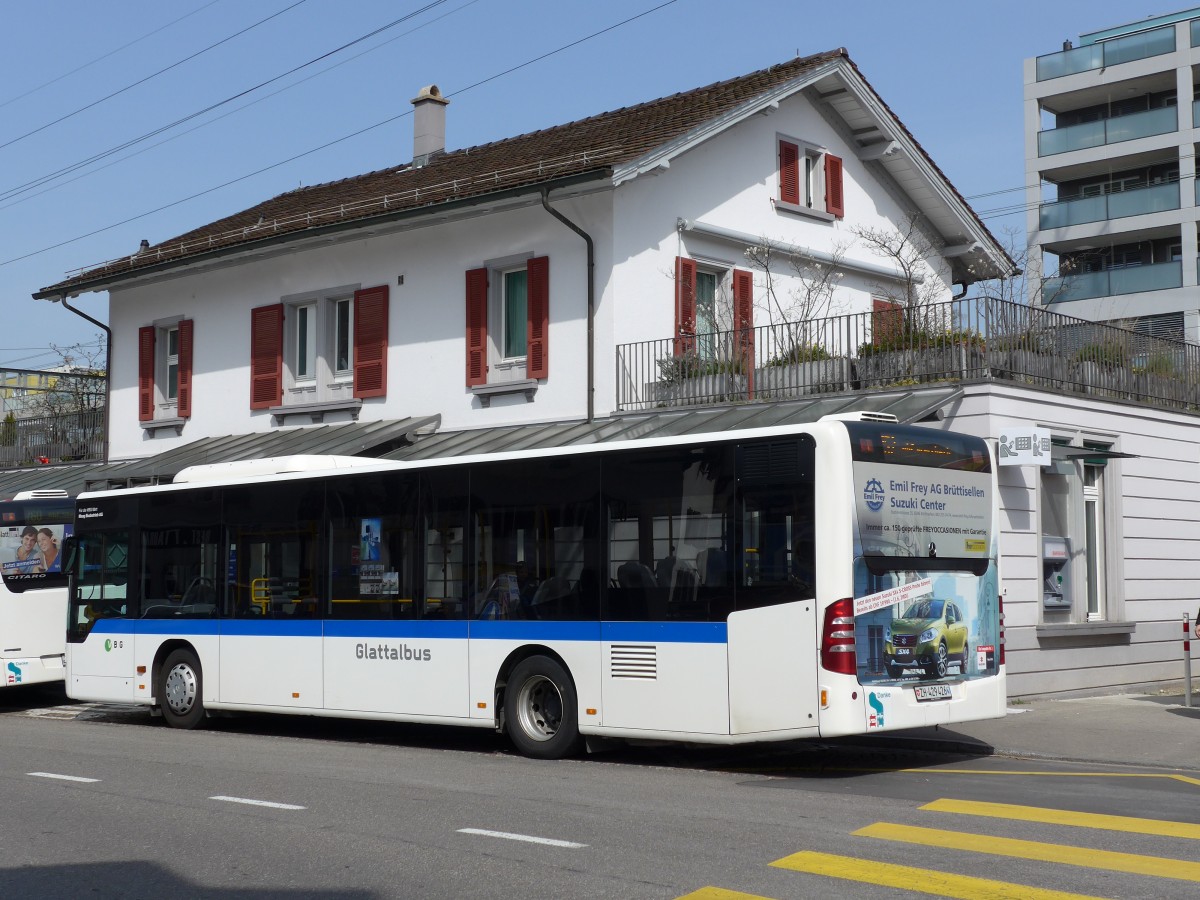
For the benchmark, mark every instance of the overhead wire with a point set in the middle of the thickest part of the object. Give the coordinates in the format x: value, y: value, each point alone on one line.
x: 336, y: 141
x: 104, y: 56
x: 151, y: 76
x: 38, y: 182
x: 65, y: 181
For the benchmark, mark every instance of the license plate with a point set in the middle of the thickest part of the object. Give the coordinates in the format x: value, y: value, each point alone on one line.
x: 902, y: 651
x: 932, y: 692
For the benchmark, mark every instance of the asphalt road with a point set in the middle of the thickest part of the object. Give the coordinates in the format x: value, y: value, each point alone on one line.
x: 103, y: 802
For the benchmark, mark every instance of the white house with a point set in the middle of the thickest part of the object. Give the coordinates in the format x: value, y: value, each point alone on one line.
x: 567, y: 281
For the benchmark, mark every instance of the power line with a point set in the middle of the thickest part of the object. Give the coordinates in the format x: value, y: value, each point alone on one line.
x: 30, y: 185
x: 64, y: 182
x: 105, y: 56
x: 334, y: 142
x: 173, y: 65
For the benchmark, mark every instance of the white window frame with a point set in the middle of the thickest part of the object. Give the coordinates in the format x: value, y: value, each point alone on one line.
x: 503, y: 368
x: 326, y: 381
x: 811, y: 164
x: 163, y: 361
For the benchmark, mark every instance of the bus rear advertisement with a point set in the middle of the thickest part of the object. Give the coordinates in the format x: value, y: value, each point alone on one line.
x: 33, y: 586
x: 805, y: 581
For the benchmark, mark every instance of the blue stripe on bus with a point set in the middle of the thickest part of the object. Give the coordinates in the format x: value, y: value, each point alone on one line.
x: 522, y: 630
x: 525, y: 630
x: 665, y: 632
x: 396, y: 628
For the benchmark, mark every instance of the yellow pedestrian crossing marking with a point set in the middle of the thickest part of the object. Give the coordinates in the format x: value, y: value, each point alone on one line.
x: 1128, y: 824
x: 1132, y: 863
x: 909, y: 878
x: 957, y: 885
x: 1186, y: 779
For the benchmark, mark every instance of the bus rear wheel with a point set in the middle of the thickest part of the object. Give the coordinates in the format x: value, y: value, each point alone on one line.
x: 541, y: 710
x: 180, y: 689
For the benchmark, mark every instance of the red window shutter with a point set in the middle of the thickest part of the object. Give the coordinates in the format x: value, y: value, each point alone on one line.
x: 685, y: 305
x: 835, y: 202
x: 887, y: 322
x: 537, y: 306
x: 743, y: 317
x: 266, y: 356
x: 370, y: 341
x: 789, y: 172
x: 183, y: 390
x: 146, y: 374
x: 477, y: 290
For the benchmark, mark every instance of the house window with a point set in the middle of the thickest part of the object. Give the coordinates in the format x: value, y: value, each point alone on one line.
x: 508, y: 321
x: 810, y: 179
x: 514, y: 310
x: 318, y: 356
x: 1093, y: 518
x: 1074, y: 494
x: 165, y: 370
x: 322, y: 347
x: 172, y: 363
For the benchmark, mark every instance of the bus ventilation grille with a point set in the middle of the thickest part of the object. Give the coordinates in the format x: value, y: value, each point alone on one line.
x: 633, y: 661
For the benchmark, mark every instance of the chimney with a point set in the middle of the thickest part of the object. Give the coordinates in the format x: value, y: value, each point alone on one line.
x: 429, y: 125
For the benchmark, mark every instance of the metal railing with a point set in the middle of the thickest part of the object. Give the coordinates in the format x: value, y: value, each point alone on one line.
x: 49, y: 440
x: 966, y: 340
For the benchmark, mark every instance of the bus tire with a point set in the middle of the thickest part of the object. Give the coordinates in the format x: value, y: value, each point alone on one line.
x: 180, y: 689
x: 541, y: 710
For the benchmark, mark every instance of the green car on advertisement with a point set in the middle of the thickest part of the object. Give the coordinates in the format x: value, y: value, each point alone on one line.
x: 927, y: 638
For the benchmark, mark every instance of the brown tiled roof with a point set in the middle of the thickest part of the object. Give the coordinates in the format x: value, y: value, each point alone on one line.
x: 591, y: 146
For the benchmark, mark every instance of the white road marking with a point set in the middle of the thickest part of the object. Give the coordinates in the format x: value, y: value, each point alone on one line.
x: 62, y: 777
x: 529, y: 839
x: 249, y: 802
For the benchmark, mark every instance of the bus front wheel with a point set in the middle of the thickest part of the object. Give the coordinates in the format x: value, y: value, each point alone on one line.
x: 180, y: 686
x: 541, y: 710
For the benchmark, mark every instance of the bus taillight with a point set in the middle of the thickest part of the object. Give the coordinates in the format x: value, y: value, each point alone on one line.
x: 837, y: 638
x: 1000, y: 600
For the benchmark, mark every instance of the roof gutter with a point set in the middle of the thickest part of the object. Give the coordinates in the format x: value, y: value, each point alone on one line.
x: 591, y: 303
x: 107, y: 367
x: 745, y: 239
x: 103, y: 282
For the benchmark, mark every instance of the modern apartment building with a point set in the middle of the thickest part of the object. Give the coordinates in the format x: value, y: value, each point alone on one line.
x: 1111, y: 133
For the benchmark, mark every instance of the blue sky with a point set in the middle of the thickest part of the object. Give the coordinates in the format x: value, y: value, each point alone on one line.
x: 80, y: 78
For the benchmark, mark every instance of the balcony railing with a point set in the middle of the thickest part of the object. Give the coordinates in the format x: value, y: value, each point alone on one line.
x: 1107, y: 131
x: 47, y: 440
x: 1113, y: 282
x: 968, y: 340
x: 1109, y: 53
x: 1061, y: 213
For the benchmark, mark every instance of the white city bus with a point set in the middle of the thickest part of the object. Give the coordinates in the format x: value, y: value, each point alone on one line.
x: 825, y: 579
x: 33, y: 585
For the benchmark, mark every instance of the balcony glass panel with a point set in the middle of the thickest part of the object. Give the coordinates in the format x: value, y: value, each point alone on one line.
x: 1143, y: 124
x: 1135, y: 279
x: 1110, y: 53
x: 1196, y: 114
x: 1140, y: 46
x: 1157, y: 277
x: 1068, y: 62
x: 1076, y: 287
x: 1107, y: 131
x: 1073, y: 137
x: 1196, y: 32
x: 1073, y: 212
x: 1143, y: 200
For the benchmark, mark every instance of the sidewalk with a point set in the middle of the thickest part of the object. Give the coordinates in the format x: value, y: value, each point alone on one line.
x: 1154, y: 730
